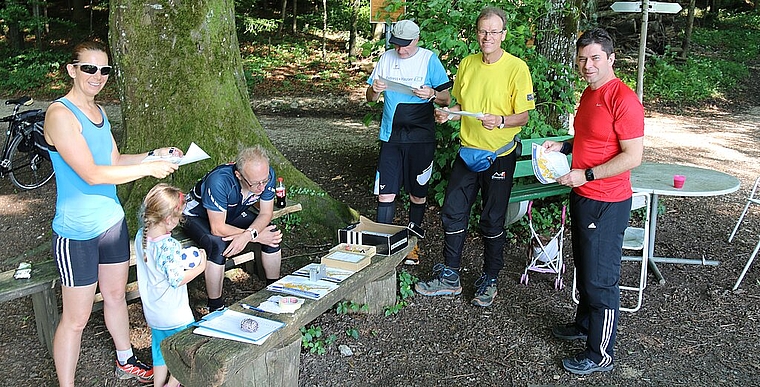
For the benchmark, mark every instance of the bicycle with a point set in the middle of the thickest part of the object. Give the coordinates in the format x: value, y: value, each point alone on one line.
x: 25, y: 156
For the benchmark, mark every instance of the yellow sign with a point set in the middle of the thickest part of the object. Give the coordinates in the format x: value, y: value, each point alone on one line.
x: 379, y: 14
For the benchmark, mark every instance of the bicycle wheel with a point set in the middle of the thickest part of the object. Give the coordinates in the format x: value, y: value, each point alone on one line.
x: 28, y: 169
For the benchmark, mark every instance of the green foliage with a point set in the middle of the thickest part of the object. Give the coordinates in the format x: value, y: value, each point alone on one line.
x: 311, y: 340
x: 405, y: 281
x: 353, y: 333
x: 288, y: 223
x: 346, y: 307
x: 29, y: 69
x: 547, y: 215
x: 698, y: 79
x: 719, y: 61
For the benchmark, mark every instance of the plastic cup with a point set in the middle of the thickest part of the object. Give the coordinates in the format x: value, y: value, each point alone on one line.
x: 678, y: 181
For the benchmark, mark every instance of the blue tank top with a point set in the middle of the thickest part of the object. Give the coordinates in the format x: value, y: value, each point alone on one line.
x: 84, y: 211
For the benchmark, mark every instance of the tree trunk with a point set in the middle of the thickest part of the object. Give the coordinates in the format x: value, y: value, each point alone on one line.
x: 181, y: 80
x: 324, y: 30
x: 689, y: 29
x: 557, y: 43
x: 284, y: 10
x: 295, y: 16
x: 352, y: 49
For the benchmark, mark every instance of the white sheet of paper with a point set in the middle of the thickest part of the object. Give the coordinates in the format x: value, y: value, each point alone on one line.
x: 194, y: 153
x: 548, y: 166
x: 397, y: 86
x: 226, y: 324
x: 463, y: 113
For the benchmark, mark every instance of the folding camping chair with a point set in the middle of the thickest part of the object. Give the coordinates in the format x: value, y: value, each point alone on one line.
x: 635, y: 238
x: 545, y: 253
x: 751, y: 200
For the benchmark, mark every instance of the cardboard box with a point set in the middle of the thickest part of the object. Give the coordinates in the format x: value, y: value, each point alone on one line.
x: 386, y: 238
x: 347, y: 260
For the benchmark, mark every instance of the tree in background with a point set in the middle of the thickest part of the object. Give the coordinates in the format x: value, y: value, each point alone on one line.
x: 181, y: 80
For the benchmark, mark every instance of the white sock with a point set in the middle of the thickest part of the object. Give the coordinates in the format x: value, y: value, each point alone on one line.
x: 124, y: 355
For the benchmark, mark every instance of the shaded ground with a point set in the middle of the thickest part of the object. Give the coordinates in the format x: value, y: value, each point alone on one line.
x: 692, y: 330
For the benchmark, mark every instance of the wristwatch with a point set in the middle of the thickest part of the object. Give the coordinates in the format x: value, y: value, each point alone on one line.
x: 254, y: 233
x: 501, y: 126
x: 589, y: 174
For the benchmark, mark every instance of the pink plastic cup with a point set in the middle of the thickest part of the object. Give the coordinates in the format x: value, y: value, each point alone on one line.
x: 678, y: 181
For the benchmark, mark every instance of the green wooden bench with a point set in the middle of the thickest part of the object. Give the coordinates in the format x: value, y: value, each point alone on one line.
x: 526, y: 187
x: 197, y: 360
x: 44, y: 282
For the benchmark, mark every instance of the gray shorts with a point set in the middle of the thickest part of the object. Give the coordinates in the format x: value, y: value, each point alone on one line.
x: 78, y: 260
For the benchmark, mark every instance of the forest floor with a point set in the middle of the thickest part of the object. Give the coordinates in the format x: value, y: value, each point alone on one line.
x: 691, y: 331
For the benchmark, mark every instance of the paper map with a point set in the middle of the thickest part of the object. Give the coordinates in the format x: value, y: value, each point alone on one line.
x: 397, y: 87
x: 548, y: 166
x: 302, y: 287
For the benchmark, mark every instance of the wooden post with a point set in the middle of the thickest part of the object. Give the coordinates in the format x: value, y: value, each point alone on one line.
x: 642, y: 49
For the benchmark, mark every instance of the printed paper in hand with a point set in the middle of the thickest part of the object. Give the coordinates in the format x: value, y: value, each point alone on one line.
x: 548, y: 166
x: 397, y: 87
x: 462, y: 113
x: 225, y: 324
x: 194, y: 153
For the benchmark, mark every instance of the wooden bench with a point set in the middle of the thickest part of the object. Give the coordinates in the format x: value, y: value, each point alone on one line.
x: 526, y: 187
x: 44, y: 282
x: 205, y: 361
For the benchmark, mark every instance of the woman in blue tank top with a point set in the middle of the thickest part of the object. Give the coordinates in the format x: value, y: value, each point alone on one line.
x: 90, y: 237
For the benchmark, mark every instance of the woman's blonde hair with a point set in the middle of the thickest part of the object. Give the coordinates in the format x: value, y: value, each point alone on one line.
x: 161, y: 202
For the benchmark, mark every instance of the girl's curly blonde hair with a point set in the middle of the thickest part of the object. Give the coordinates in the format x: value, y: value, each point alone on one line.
x: 161, y: 202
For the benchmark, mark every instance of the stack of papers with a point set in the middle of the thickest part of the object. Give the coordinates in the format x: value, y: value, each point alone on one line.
x: 302, y: 287
x: 225, y: 324
x: 334, y: 275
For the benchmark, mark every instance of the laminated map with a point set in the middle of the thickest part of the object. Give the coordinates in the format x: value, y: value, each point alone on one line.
x: 548, y: 166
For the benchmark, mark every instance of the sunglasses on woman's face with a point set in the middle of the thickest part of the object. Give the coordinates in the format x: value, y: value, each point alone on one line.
x: 90, y: 68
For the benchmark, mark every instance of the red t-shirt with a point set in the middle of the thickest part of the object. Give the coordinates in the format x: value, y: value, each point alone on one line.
x: 606, y: 116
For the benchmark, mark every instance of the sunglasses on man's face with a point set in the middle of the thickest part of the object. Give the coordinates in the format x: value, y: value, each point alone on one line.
x: 90, y: 68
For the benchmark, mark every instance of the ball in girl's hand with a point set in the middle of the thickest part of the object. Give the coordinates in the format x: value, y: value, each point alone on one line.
x: 190, y: 257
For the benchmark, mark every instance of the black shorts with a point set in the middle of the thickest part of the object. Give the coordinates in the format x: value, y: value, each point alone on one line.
x: 78, y: 261
x: 408, y: 165
x: 198, y: 230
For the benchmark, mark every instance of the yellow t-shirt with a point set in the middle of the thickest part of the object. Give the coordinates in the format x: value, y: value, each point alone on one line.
x: 502, y: 88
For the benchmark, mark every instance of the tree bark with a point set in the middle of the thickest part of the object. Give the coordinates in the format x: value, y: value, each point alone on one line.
x: 557, y: 43
x: 181, y: 80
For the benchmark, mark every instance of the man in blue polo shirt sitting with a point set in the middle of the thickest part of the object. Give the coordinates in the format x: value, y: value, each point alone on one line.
x: 219, y: 220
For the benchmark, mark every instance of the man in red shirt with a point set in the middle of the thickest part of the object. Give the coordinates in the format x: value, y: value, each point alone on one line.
x: 608, y: 143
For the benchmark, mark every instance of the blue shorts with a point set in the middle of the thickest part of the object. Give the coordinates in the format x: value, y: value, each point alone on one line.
x: 158, y: 335
x: 78, y: 261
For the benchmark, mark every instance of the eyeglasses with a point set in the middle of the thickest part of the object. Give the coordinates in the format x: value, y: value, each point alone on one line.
x: 484, y: 33
x: 90, y: 68
x: 255, y: 183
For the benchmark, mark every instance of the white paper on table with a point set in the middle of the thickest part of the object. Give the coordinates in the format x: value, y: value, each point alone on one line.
x: 462, y: 113
x: 397, y: 86
x: 226, y: 324
x: 548, y: 166
x: 272, y: 305
x: 194, y: 153
x: 333, y: 275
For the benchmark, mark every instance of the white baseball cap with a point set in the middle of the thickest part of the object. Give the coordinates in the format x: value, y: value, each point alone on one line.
x: 404, y: 32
